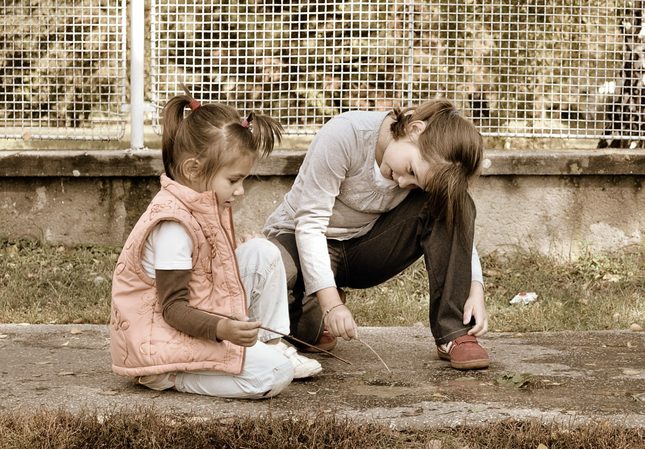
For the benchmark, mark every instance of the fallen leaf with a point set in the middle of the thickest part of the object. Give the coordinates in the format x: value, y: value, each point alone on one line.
x: 415, y: 412
x: 108, y: 392
x: 612, y: 278
x: 517, y: 380
x: 640, y: 397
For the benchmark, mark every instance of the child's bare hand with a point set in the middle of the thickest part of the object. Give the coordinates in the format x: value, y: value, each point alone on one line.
x: 243, y: 333
x: 476, y: 308
x: 340, y: 323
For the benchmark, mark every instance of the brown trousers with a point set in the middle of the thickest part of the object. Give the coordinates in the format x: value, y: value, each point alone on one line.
x: 398, y: 238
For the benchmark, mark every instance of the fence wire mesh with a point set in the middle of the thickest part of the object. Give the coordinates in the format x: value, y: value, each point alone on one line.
x: 62, y: 69
x: 542, y: 68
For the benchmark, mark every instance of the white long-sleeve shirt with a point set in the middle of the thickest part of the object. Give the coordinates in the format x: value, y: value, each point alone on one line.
x: 338, y: 194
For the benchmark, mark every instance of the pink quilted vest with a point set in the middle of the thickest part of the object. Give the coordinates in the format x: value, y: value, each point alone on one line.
x: 141, y: 342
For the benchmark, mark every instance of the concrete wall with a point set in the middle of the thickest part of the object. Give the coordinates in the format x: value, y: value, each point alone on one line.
x: 555, y: 203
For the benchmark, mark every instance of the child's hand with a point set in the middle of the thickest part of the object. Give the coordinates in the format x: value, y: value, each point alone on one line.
x: 337, y: 317
x: 340, y: 323
x: 475, y: 308
x: 243, y: 333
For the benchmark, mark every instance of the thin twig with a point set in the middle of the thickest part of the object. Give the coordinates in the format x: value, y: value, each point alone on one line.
x: 291, y: 337
x: 376, y: 353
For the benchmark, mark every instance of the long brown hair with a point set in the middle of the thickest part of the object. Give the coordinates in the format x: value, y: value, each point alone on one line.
x: 454, y: 147
x: 214, y: 133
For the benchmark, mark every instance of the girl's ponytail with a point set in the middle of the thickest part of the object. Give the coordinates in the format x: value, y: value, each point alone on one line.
x: 265, y: 132
x: 173, y: 116
x: 448, y: 199
x: 400, y: 125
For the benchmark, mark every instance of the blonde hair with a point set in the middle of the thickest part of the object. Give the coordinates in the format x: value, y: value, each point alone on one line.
x: 453, y: 145
x: 215, y: 134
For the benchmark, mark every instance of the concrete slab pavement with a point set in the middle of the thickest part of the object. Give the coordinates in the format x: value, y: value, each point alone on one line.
x: 566, y: 377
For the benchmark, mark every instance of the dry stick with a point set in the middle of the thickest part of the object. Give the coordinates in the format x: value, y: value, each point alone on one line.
x: 376, y: 353
x: 291, y: 337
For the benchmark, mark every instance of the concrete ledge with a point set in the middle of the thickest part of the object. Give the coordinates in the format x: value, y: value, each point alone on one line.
x: 562, y: 203
x: 129, y: 163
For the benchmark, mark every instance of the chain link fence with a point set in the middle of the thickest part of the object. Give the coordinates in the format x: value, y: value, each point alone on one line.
x: 62, y: 69
x: 543, y: 68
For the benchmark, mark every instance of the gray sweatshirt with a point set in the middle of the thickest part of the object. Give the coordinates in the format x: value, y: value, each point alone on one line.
x: 339, y: 194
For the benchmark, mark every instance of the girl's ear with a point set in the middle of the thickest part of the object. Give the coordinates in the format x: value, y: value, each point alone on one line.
x: 415, y: 128
x: 189, y: 169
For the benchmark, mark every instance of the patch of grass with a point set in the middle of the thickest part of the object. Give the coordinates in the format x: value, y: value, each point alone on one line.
x: 590, y: 293
x: 146, y: 429
x: 41, y: 283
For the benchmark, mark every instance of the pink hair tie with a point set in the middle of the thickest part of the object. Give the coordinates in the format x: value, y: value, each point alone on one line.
x: 247, y: 121
x: 194, y: 104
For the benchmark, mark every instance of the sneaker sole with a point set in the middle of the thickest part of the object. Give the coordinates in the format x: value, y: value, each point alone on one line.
x: 471, y: 364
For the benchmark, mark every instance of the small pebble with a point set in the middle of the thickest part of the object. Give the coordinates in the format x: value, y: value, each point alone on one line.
x: 635, y: 328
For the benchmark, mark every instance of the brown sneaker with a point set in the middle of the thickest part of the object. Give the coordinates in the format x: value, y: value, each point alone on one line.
x: 464, y: 353
x: 327, y: 342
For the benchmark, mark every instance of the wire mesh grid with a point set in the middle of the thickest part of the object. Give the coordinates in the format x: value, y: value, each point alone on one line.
x: 543, y: 68
x: 62, y: 69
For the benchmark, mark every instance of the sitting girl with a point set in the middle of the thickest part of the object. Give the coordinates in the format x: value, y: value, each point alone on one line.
x: 187, y: 305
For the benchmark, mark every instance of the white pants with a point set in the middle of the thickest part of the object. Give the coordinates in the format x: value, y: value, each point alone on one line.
x: 266, y: 371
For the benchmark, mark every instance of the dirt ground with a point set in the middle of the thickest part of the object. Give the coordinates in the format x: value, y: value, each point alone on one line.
x: 561, y: 376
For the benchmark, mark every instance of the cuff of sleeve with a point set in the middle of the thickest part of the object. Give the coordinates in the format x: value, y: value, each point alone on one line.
x: 212, y: 332
x: 313, y: 288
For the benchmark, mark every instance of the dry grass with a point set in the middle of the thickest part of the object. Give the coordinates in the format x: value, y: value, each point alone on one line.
x: 590, y: 293
x: 40, y: 283
x: 144, y: 429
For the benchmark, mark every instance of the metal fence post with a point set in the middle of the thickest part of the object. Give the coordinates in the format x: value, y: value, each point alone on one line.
x: 137, y: 107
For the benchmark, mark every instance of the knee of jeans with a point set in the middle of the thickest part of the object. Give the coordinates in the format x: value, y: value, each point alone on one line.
x: 266, y: 251
x: 282, y: 377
